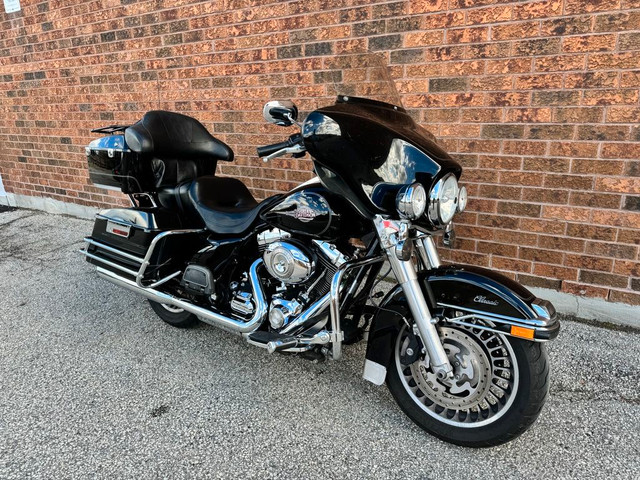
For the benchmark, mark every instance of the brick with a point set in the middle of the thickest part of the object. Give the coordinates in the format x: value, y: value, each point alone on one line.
x: 600, y: 278
x: 545, y: 195
x: 629, y: 41
x: 620, y: 150
x: 627, y: 267
x: 498, y: 249
x: 589, y: 43
x: 559, y: 63
x: 540, y: 46
x: 595, y: 200
x: 611, y: 250
x: 554, y: 271
x: 585, y: 262
x: 447, y: 84
x: 545, y: 81
x: 574, y: 149
x: 617, y: 22
x: 502, y: 131
x: 519, y: 209
x: 604, y: 132
x: 623, y: 114
x: 550, y: 132
x: 624, y: 297
x: 573, y: 7
x: 559, y: 97
x: 632, y: 203
x: 531, y: 281
x: 538, y: 255
x: 593, y: 232
x: 515, y: 31
x: 632, y: 169
x: 591, y: 80
x: 573, y: 214
x: 617, y: 219
x: 584, y: 290
x: 467, y: 35
x: 407, y: 56
x: 421, y: 39
x: 427, y: 6
x: 566, y: 26
x: 600, y: 167
x: 574, y: 182
x: 510, y: 264
x: 555, y: 165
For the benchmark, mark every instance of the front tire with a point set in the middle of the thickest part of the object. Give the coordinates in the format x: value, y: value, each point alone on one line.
x: 174, y: 316
x: 499, y: 388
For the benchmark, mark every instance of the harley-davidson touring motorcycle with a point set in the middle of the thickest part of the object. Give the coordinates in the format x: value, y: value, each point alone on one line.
x: 461, y: 348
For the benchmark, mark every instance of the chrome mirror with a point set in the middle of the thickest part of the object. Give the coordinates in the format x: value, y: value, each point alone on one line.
x: 280, y: 112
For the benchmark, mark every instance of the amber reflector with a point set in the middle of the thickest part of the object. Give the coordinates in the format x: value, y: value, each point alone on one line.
x: 521, y: 332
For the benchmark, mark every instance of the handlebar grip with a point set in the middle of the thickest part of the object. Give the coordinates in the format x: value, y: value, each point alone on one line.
x: 269, y: 149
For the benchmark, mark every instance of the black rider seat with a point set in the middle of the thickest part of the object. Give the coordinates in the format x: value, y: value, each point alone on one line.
x: 225, y: 204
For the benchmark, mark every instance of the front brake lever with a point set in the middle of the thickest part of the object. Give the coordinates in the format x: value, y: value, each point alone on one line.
x: 294, y: 149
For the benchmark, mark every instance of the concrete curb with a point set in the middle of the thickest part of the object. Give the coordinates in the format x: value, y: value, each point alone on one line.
x: 591, y: 309
x: 48, y: 205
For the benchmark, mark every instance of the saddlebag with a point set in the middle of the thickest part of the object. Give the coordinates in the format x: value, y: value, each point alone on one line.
x: 122, y: 237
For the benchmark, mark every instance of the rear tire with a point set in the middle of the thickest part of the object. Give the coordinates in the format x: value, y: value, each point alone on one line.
x: 513, y: 414
x: 174, y: 316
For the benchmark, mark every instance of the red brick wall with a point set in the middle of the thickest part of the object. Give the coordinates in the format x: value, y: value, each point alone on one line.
x: 538, y: 99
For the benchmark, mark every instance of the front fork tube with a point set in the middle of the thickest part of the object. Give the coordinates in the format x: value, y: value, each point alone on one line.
x: 407, y: 277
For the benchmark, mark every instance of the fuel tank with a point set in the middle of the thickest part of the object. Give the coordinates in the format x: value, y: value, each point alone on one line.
x: 312, y: 210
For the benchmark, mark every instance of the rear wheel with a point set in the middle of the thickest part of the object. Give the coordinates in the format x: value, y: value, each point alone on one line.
x: 499, y: 386
x: 174, y: 316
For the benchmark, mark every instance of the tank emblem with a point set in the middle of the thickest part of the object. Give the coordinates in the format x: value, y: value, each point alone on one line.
x: 303, y: 214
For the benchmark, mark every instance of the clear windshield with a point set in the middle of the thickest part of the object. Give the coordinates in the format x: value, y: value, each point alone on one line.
x: 363, y: 75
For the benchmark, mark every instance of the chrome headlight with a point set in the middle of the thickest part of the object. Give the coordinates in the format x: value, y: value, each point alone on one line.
x: 462, y: 199
x: 443, y: 201
x: 411, y: 201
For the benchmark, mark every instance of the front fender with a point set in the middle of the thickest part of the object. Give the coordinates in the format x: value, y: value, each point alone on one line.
x: 474, y: 291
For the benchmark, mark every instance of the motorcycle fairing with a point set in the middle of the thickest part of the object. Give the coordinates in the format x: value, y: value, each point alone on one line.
x: 471, y: 290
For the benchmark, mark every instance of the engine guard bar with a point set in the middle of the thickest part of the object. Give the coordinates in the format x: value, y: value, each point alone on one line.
x: 336, y: 334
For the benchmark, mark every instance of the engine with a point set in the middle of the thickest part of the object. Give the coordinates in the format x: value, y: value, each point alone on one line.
x: 301, y: 272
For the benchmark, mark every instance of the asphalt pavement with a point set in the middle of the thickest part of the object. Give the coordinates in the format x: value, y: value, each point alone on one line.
x: 94, y: 385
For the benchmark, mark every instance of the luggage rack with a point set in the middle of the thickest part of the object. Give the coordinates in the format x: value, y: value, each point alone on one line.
x: 144, y: 262
x: 110, y: 129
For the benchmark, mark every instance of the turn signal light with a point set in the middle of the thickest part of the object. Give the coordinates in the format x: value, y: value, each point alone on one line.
x: 522, y: 332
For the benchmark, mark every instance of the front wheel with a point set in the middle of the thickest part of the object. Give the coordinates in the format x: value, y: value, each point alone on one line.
x: 499, y: 386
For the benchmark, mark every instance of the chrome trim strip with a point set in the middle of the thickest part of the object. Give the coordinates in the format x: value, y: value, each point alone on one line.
x: 459, y: 321
x: 107, y: 262
x: 113, y: 250
x: 207, y: 316
x: 503, y: 318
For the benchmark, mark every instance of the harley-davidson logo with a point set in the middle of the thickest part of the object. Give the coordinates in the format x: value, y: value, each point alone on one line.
x: 303, y: 214
x: 483, y: 299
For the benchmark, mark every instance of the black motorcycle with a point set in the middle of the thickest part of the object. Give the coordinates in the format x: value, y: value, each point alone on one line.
x: 460, y: 347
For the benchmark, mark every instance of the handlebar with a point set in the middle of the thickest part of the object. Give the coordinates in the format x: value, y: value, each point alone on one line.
x: 292, y: 145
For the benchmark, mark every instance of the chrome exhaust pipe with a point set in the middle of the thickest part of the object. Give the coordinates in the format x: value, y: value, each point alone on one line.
x: 207, y: 316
